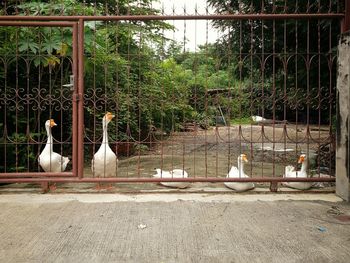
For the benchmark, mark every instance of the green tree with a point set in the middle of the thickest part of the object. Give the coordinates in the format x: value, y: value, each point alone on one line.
x: 36, y: 62
x: 283, y: 59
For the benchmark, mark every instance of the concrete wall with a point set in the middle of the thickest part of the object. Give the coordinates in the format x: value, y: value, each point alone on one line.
x: 343, y: 90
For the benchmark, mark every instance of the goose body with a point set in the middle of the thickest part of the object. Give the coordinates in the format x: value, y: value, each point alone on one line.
x: 104, y: 162
x: 290, y: 172
x: 176, y: 173
x: 258, y: 118
x: 238, y: 172
x: 49, y: 160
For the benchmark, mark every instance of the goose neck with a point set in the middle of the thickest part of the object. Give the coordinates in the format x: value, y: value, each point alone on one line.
x: 105, y: 135
x: 240, y: 166
x: 304, y: 167
x: 49, y: 142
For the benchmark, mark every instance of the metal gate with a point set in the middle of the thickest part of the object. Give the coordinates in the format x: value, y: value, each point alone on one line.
x: 203, y: 131
x: 23, y: 101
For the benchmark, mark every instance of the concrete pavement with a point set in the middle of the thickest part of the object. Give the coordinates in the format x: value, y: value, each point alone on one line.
x: 174, y: 228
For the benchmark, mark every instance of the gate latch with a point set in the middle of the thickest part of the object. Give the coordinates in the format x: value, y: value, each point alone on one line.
x: 71, y: 83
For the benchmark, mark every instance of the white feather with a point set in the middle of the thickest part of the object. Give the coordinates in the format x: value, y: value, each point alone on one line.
x: 176, y: 173
x: 238, y: 172
x: 290, y: 172
x: 104, y: 162
x: 49, y: 160
x: 258, y: 119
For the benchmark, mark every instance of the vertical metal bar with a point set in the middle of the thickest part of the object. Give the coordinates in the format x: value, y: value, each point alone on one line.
x: 308, y: 96
x: 262, y: 100
x: 285, y: 94
x: 28, y: 110
x: 263, y: 95
x: 240, y: 63
x: 105, y: 102
x: 330, y: 103
x: 17, y: 92
x: 139, y: 94
x: 117, y: 69
x: 80, y: 159
x: 129, y: 61
x: 251, y: 77
x: 74, y: 102
x: 296, y: 83
x: 183, y: 117
x: 196, y: 93
x: 5, y: 117
x: 62, y: 99
x: 39, y: 98
x: 229, y: 95
x: 93, y: 96
x: 319, y: 93
x: 50, y: 68
x: 206, y: 97
x: 274, y: 92
x: 173, y: 98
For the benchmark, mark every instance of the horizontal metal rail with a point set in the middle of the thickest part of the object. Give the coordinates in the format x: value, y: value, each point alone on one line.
x: 33, y: 174
x: 178, y: 17
x: 157, y: 180
x: 35, y: 24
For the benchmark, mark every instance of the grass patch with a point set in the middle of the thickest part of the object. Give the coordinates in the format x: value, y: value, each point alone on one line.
x: 243, y: 120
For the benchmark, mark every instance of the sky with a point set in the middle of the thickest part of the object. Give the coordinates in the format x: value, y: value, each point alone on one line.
x: 194, y: 30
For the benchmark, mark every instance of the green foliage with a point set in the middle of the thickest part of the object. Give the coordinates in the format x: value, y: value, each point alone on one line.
x: 265, y: 51
x: 244, y: 120
x: 130, y: 69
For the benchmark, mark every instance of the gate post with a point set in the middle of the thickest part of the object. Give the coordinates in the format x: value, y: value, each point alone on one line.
x: 81, y: 99
x: 343, y: 122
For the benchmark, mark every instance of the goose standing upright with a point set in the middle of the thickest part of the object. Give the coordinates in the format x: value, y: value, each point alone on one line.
x: 239, y: 173
x: 48, y: 159
x: 290, y: 172
x: 104, y: 162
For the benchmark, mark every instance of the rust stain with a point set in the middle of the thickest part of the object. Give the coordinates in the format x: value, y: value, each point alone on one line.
x: 343, y: 218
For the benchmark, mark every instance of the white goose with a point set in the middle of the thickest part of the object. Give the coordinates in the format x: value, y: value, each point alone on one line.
x: 258, y: 119
x: 290, y: 172
x: 239, y: 173
x: 176, y: 173
x: 48, y: 159
x: 104, y: 162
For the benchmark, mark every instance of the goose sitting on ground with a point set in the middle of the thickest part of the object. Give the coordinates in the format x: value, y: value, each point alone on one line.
x: 239, y: 173
x: 258, y: 118
x: 290, y: 172
x: 48, y: 159
x: 176, y: 173
x: 104, y: 162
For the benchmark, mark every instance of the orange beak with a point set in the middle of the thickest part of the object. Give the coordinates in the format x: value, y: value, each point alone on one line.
x: 244, y: 158
x: 301, y: 159
x: 52, y: 123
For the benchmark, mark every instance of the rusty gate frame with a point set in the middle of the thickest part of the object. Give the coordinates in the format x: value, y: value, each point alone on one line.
x: 74, y: 25
x: 77, y: 23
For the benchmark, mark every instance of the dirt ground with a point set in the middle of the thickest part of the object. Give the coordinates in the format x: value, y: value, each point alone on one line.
x: 212, y: 152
